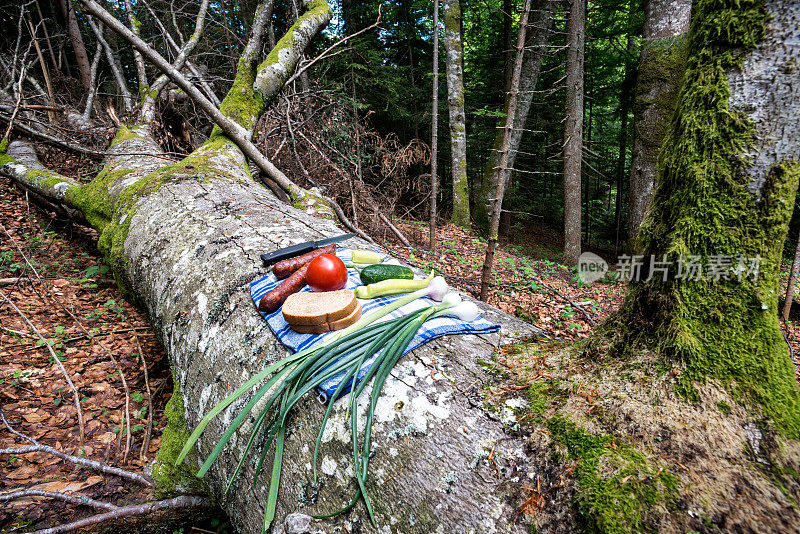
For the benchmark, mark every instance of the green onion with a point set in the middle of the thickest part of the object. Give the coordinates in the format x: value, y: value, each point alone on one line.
x: 294, y: 376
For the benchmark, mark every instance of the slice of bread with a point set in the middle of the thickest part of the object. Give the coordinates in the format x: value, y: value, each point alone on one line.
x: 331, y: 326
x: 312, y: 308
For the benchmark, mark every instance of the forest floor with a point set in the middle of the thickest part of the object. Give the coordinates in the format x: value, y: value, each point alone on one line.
x: 53, y: 273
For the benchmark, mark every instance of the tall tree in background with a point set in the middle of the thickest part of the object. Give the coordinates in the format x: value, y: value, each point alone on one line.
x: 81, y: 57
x: 434, y: 126
x: 511, y: 112
x: 573, y: 131
x: 661, y: 65
x: 624, y: 108
x: 455, y: 101
x: 540, y: 27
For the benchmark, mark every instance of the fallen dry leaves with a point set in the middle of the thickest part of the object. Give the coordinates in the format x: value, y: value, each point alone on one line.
x: 34, y: 394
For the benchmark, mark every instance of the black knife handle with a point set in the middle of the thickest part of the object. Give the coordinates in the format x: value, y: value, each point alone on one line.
x: 288, y: 252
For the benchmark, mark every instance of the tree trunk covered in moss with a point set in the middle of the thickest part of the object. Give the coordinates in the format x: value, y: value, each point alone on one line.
x: 661, y: 65
x: 455, y: 101
x: 726, y: 190
x: 573, y: 131
x: 539, y: 29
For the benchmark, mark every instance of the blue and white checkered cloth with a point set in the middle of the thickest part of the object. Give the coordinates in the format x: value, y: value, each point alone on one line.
x: 431, y: 329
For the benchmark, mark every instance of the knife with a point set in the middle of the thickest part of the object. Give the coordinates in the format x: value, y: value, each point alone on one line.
x: 301, y: 248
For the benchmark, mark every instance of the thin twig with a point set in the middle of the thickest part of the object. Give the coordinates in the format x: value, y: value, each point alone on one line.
x: 149, y: 430
x: 323, y: 55
x: 183, y: 501
x: 81, y: 500
x: 38, y: 447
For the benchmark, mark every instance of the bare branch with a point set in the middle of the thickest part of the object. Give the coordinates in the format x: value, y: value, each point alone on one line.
x: 148, y: 105
x: 191, y: 66
x: 184, y: 501
x: 116, y: 69
x: 272, y: 73
x: 81, y: 500
x: 98, y: 466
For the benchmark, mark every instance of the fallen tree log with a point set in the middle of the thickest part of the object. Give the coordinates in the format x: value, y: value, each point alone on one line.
x: 185, y: 242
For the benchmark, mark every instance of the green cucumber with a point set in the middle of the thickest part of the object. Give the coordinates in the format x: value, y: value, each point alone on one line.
x: 380, y: 272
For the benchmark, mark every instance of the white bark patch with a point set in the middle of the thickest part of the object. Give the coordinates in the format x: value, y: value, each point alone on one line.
x: 329, y: 466
x: 767, y: 91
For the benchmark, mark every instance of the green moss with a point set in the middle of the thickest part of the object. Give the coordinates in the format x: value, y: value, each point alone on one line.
x: 113, y: 222
x: 242, y: 103
x: 662, y: 67
x: 541, y: 394
x: 726, y: 329
x: 168, y: 478
x: 3, y: 145
x: 617, y: 485
x: 124, y: 134
x: 724, y: 407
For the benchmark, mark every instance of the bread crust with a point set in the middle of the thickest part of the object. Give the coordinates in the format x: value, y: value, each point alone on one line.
x: 354, y: 316
x: 312, y: 308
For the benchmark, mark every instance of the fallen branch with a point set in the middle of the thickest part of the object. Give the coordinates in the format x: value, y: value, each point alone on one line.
x: 346, y: 222
x: 396, y: 231
x: 27, y: 130
x: 184, y: 501
x: 573, y: 304
x: 81, y: 500
x: 38, y: 447
x: 12, y: 281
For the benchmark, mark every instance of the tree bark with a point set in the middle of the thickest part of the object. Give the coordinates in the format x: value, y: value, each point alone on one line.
x: 726, y: 189
x: 511, y: 113
x: 540, y: 28
x: 434, y: 129
x: 573, y: 132
x: 661, y: 65
x: 455, y: 101
x: 81, y: 57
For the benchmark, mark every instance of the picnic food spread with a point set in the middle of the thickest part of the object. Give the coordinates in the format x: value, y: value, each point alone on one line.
x: 357, y: 346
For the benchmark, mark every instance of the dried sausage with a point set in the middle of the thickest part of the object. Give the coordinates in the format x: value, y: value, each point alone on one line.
x: 275, y: 298
x: 284, y: 268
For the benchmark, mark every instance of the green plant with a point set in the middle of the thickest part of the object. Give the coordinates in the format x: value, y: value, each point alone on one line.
x: 90, y: 273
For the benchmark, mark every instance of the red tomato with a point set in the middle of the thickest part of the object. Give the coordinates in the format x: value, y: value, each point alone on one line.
x: 326, y: 272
